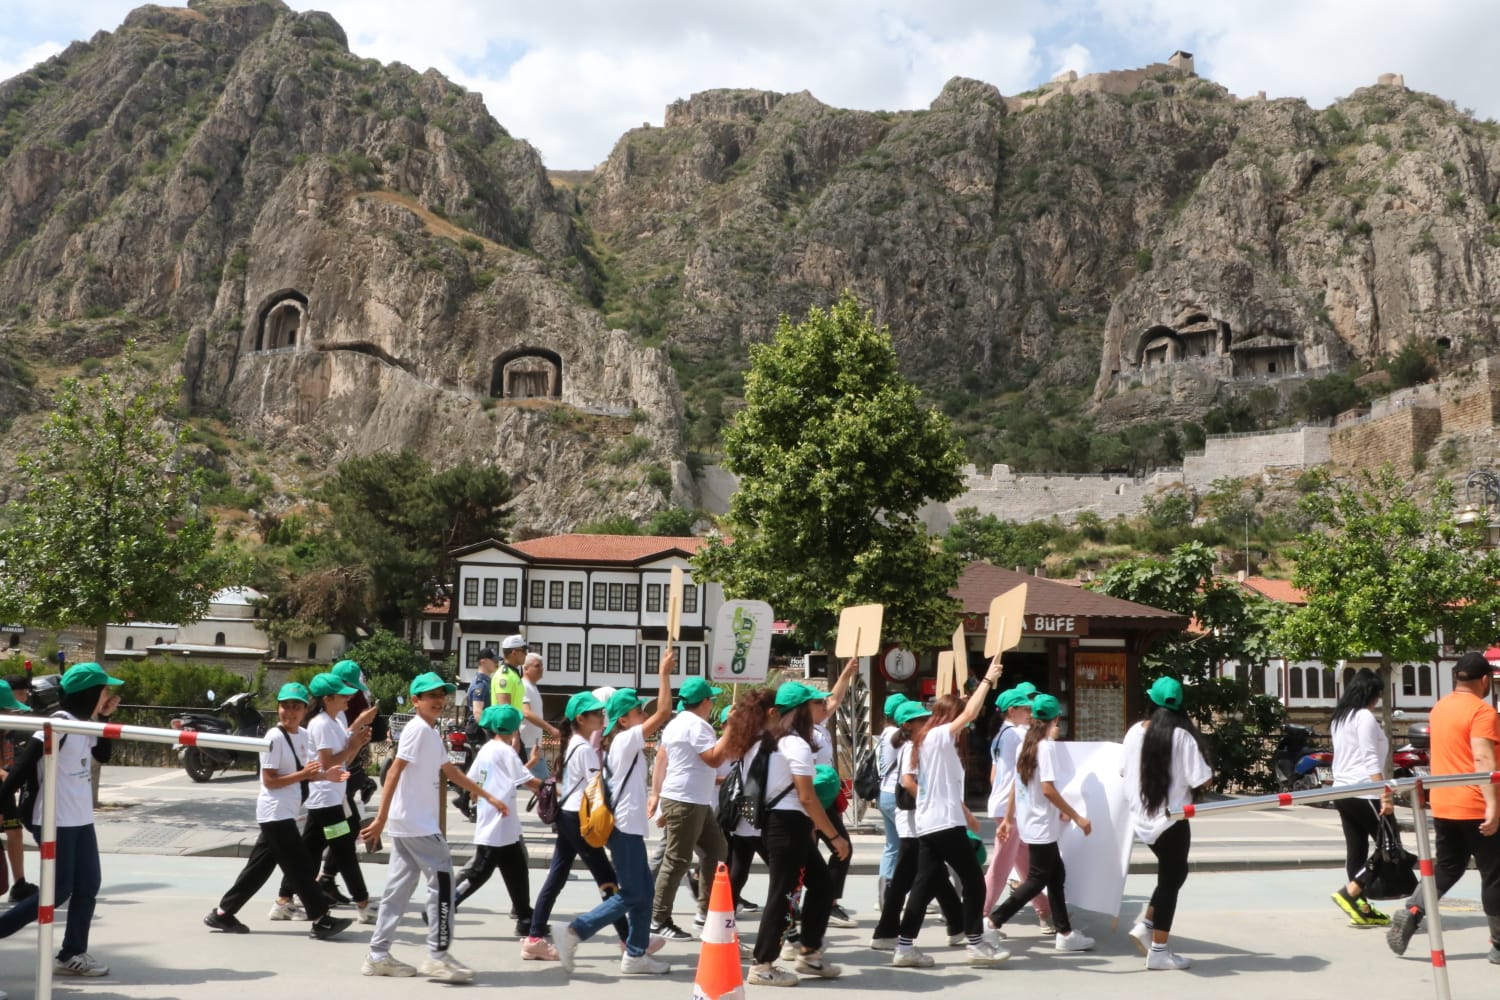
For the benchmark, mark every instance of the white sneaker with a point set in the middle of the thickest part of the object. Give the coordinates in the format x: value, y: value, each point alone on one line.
x: 81, y: 964
x: 1073, y: 941
x: 769, y: 975
x: 1140, y: 936
x: 812, y: 963
x: 789, y: 951
x: 445, y: 968
x: 366, y: 915
x: 388, y: 966
x: 994, y: 935
x: 1045, y: 924
x: 286, y: 911
x: 957, y: 940
x: 642, y: 965
x: 883, y: 944
x: 911, y: 958
x: 1161, y: 959
x: 567, y: 946
x: 985, y: 953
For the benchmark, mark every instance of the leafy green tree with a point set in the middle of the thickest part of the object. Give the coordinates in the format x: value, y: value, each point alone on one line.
x: 1384, y: 573
x: 1325, y: 398
x: 1005, y: 543
x: 677, y: 522
x: 108, y: 525
x: 836, y: 456
x: 1232, y: 626
x: 610, y: 524
x: 389, y: 663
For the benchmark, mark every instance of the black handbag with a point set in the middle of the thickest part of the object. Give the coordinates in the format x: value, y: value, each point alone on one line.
x: 1392, y: 864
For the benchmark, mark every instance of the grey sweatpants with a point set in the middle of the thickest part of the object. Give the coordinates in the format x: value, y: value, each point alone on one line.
x: 410, y: 857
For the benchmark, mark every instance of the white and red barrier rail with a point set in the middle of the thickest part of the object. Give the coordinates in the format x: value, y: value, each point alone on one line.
x: 1364, y: 789
x: 49, y: 727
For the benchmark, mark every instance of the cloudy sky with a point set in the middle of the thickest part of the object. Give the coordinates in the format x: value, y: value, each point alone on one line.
x: 572, y: 75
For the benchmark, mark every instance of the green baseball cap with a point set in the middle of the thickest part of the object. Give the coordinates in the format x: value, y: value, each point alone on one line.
x: 327, y: 684
x: 583, y: 701
x: 292, y: 692
x: 694, y: 690
x: 1045, y: 708
x: 350, y: 674
x: 911, y: 710
x: 620, y: 704
x: 82, y: 676
x: 724, y: 715
x: 430, y: 681
x: 502, y: 719
x: 792, y: 693
x: 1023, y: 691
x: 9, y: 702
x: 1166, y: 692
x: 894, y: 702
x: 826, y: 785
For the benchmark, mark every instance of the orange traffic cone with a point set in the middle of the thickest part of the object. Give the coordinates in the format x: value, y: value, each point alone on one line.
x: 719, y: 976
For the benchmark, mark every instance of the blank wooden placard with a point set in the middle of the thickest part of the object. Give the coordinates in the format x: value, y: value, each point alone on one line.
x: 960, y: 656
x: 945, y: 673
x: 674, y: 605
x: 1007, y: 615
x: 859, y: 631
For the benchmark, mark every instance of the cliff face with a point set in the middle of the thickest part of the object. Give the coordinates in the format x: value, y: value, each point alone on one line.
x: 351, y: 253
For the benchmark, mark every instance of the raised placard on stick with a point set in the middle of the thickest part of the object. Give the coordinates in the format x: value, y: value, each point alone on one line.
x: 960, y: 657
x: 859, y: 631
x: 946, y: 681
x: 674, y: 605
x: 1007, y: 615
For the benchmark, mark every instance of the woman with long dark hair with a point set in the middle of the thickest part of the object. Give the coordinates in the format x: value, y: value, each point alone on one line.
x: 1359, y: 749
x: 1164, y: 765
x: 943, y: 823
x: 793, y: 814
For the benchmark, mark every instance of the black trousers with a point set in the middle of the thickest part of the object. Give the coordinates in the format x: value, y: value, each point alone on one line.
x: 342, y: 849
x: 356, y: 823
x: 742, y: 851
x: 838, y: 871
x: 1171, y: 850
x: 899, y: 887
x: 278, y: 844
x: 1048, y: 872
x: 511, y: 860
x: 791, y: 852
x: 936, y: 853
x: 1458, y: 840
x: 1360, y: 819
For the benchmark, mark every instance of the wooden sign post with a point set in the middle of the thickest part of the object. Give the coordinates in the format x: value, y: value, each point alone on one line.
x: 674, y: 606
x: 1007, y: 615
x: 859, y: 632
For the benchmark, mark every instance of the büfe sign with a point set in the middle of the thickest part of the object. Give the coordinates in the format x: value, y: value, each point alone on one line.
x: 742, y: 642
x: 859, y: 631
x: 1007, y: 615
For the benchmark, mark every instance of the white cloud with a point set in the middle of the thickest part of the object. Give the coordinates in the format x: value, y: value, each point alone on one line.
x: 24, y: 59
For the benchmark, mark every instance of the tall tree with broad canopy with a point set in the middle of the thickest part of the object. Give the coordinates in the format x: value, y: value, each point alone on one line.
x: 1384, y: 572
x: 836, y: 456
x: 108, y: 527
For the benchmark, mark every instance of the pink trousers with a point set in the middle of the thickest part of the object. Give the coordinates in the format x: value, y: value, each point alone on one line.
x: 1011, y: 854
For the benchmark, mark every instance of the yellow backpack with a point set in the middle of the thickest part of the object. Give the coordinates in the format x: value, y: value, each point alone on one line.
x: 596, y: 812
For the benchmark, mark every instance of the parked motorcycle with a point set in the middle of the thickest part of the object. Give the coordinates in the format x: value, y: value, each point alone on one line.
x: 1288, y: 765
x: 237, y: 716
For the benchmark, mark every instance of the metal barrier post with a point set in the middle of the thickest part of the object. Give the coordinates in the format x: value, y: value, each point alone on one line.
x: 1429, y: 893
x: 46, y: 900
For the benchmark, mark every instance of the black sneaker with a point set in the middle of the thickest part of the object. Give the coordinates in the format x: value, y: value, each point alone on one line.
x: 22, y: 890
x: 523, y: 929
x: 327, y: 926
x: 748, y: 907
x: 331, y: 892
x: 226, y: 922
x: 670, y: 931
x: 692, y: 881
x: 839, y: 917
x: 1404, y: 923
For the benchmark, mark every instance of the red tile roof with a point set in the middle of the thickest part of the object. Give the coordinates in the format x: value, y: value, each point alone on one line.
x: 1277, y: 590
x: 980, y: 583
x: 627, y: 549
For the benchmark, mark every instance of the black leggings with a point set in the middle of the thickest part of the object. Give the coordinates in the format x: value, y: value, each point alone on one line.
x: 791, y: 852
x: 899, y: 887
x: 1048, y: 872
x: 1360, y: 819
x: 838, y: 870
x: 936, y: 853
x: 341, y: 848
x: 1171, y: 850
x: 511, y: 860
x: 742, y: 851
x: 278, y: 844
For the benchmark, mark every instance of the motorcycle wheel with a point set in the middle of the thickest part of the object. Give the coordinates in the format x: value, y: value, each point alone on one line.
x: 197, y: 765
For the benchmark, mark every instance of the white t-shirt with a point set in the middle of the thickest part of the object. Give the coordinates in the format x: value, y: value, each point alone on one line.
x: 530, y: 733
x: 1189, y: 770
x: 582, y: 761
x: 75, y: 791
x: 792, y: 757
x: 627, y: 780
x: 326, y: 732
x: 1003, y: 750
x: 499, y: 770
x: 414, y: 808
x: 1359, y: 746
x: 887, y: 760
x: 688, y: 779
x: 906, y: 819
x: 743, y: 827
x: 278, y: 803
x: 1037, y: 820
x: 940, y: 784
x: 824, y: 752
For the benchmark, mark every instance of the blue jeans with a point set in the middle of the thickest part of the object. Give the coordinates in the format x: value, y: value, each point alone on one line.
x: 570, y: 845
x: 633, y: 901
x: 892, y: 851
x: 77, y: 885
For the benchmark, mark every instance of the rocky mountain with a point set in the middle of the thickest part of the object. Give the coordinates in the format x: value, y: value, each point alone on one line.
x: 342, y: 256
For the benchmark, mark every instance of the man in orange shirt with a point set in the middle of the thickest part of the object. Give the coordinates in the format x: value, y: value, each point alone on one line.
x: 1465, y: 730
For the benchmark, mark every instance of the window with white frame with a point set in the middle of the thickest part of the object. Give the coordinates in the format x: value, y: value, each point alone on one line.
x: 690, y: 599
x: 471, y: 653
x: 628, y: 659
x: 538, y: 593
x: 596, y: 658
x: 600, y: 590
x: 616, y: 596
x: 694, y: 660
x: 555, y: 595
x: 553, y: 656
x: 575, y: 595
x: 512, y: 592
x: 575, y: 657
x: 491, y: 593
x: 632, y: 597
x: 652, y: 658
x: 653, y: 598
x: 612, y: 659
x: 471, y: 592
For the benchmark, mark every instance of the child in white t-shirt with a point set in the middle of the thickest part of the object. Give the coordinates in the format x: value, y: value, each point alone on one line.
x: 409, y: 812
x: 499, y: 770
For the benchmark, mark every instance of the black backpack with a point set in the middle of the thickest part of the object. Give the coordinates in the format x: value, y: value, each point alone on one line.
x: 867, y: 774
x: 749, y: 798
